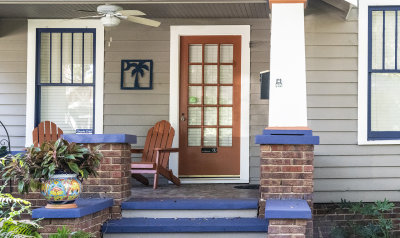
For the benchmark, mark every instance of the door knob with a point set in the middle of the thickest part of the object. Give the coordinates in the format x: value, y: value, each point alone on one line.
x: 183, y: 117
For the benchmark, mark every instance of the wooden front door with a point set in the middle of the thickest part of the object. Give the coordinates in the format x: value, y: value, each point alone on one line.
x: 209, y: 128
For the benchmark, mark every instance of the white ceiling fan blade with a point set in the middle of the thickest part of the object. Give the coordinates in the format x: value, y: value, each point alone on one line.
x: 131, y: 13
x: 144, y: 21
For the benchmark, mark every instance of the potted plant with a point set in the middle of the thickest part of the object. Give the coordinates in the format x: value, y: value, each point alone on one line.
x: 56, y: 168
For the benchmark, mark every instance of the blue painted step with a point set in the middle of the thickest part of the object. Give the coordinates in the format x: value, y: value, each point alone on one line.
x: 170, y: 225
x: 190, y: 204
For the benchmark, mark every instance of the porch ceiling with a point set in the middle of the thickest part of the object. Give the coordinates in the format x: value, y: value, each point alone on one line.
x: 153, y: 9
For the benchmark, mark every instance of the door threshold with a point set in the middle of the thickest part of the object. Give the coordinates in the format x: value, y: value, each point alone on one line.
x: 212, y: 180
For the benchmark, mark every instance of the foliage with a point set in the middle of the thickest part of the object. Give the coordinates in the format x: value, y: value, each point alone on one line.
x: 66, y: 233
x: 12, y: 208
x: 374, y: 227
x: 38, y: 164
x: 3, y: 151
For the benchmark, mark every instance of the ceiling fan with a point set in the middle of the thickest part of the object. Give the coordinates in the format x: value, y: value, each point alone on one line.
x: 110, y: 16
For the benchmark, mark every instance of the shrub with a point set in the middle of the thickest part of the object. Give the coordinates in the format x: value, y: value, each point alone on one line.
x: 375, y: 227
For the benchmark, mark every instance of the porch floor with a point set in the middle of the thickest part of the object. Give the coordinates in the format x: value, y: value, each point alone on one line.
x: 166, y: 191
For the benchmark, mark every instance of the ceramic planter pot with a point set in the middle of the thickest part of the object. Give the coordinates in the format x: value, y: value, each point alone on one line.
x: 61, y: 190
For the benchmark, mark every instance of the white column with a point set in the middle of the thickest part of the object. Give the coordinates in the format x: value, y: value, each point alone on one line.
x: 287, y: 103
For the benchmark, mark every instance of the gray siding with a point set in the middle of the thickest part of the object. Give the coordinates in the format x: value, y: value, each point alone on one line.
x: 13, y: 45
x: 136, y: 111
x: 343, y: 169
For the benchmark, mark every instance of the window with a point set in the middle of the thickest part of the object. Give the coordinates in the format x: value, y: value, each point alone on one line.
x: 65, y: 77
x: 383, y: 73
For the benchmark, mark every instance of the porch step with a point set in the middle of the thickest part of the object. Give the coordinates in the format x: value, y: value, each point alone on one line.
x: 190, y: 208
x: 185, y: 227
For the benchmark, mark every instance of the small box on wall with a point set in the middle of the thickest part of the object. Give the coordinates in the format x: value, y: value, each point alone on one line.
x: 264, y: 79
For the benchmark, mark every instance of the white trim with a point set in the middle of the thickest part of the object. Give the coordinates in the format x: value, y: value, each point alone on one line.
x: 353, y: 2
x: 31, y: 58
x: 363, y: 71
x: 244, y: 31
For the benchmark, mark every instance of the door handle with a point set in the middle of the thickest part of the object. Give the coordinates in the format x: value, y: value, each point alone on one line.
x: 183, y: 117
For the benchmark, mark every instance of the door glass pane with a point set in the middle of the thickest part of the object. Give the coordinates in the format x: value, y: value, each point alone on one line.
x: 210, y: 95
x: 55, y: 57
x: 88, y: 58
x: 77, y: 56
x: 195, y: 53
x: 210, y: 137
x: 390, y: 39
x: 195, y: 73
x: 211, y: 53
x: 226, y: 74
x: 195, y: 94
x: 66, y: 57
x: 69, y: 107
x: 385, y: 102
x: 45, y: 57
x: 225, y: 95
x: 225, y: 137
x: 194, y: 137
x: 210, y: 116
x: 377, y: 39
x: 226, y: 55
x: 210, y: 74
x: 194, y: 116
x: 225, y: 116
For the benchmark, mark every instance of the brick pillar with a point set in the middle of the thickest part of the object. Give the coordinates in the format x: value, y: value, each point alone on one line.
x: 114, y: 177
x: 287, y: 228
x: 287, y: 173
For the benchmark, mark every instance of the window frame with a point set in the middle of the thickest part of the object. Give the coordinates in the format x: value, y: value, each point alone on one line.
x: 31, y: 94
x: 365, y: 137
x: 38, y: 101
x: 380, y: 135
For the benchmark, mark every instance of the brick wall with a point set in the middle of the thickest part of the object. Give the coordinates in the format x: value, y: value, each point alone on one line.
x: 287, y: 173
x: 90, y: 223
x: 328, y: 215
x: 114, y: 177
x: 287, y: 228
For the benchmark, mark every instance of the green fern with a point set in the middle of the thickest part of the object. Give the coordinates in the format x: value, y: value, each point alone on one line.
x: 12, y: 208
x: 65, y: 232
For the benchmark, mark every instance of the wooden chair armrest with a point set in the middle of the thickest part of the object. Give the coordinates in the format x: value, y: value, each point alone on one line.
x: 137, y: 151
x: 167, y: 149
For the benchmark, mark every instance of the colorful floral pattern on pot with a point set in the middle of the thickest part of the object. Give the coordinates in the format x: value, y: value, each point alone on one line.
x: 61, y: 189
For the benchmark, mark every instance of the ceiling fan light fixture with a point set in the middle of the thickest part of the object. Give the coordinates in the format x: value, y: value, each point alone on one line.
x: 110, y: 21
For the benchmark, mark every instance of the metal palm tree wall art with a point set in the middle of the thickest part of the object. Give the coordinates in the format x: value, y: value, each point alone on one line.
x: 136, y: 74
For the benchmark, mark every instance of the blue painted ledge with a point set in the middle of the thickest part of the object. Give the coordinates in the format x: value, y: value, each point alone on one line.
x: 85, y: 207
x: 287, y: 209
x: 100, y: 138
x: 189, y: 204
x: 193, y: 225
x: 287, y: 137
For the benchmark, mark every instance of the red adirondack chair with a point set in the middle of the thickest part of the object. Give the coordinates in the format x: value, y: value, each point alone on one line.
x: 44, y: 132
x: 155, y: 155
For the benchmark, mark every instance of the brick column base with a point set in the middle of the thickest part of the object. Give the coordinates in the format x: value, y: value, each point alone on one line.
x: 90, y: 223
x: 287, y: 173
x: 287, y: 228
x: 114, y: 177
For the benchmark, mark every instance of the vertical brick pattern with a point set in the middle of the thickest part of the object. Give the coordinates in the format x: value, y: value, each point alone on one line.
x: 286, y: 228
x: 90, y: 223
x: 287, y: 173
x: 114, y: 177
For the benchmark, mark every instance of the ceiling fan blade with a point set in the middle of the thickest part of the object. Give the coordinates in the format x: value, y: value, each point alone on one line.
x: 82, y: 10
x: 144, y: 21
x: 131, y: 13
